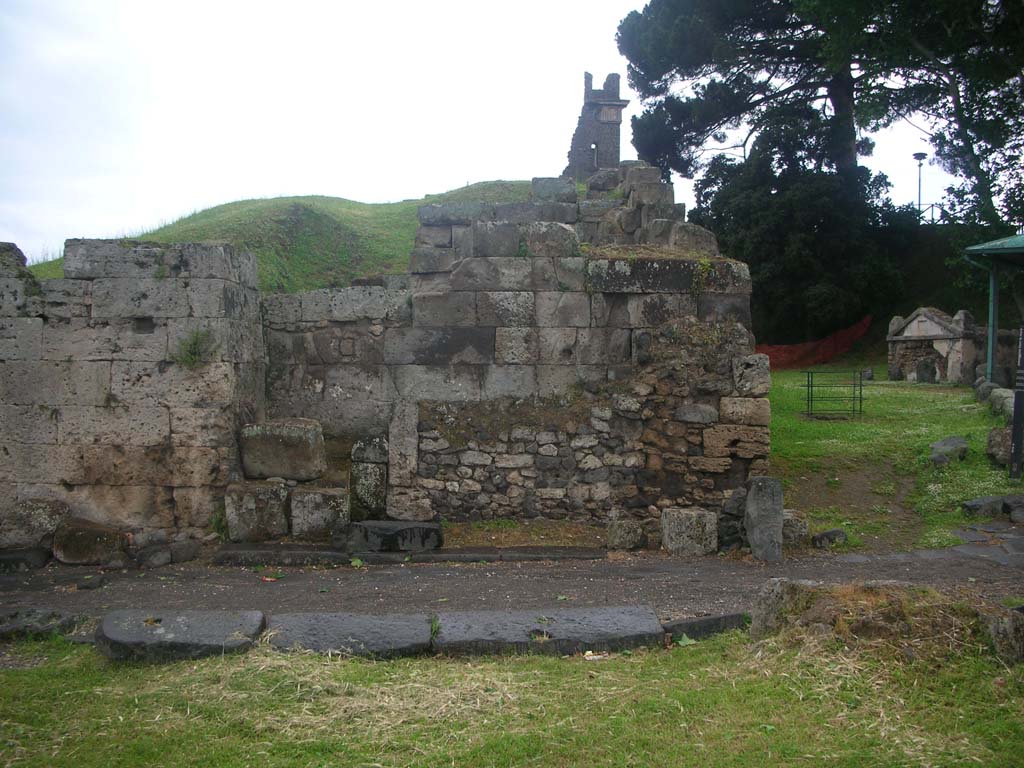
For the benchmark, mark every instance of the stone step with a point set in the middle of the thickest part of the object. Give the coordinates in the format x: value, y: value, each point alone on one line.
x: 279, y: 554
x: 164, y: 635
x: 389, y: 536
x: 558, y: 632
x: 352, y: 634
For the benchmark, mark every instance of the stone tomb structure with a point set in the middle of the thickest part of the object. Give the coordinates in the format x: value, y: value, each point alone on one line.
x: 595, y: 143
x: 568, y: 359
x: 931, y: 347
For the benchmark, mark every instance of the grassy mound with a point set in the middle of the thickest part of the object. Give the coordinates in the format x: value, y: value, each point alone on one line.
x: 310, y: 242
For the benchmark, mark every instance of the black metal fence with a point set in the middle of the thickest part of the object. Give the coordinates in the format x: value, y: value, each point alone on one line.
x: 834, y: 394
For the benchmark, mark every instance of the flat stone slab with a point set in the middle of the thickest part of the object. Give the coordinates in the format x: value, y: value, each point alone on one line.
x: 351, y: 634
x: 143, y: 635
x: 529, y: 554
x: 558, y: 632
x: 390, y: 536
x: 33, y: 622
x: 706, y: 626
x: 247, y: 555
x: 23, y: 559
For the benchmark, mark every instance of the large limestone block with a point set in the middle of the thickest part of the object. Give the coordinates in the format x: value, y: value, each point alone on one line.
x: 21, y: 338
x: 563, y: 309
x: 29, y: 424
x: 24, y: 382
x: 123, y: 297
x: 317, y: 511
x: 505, y: 308
x: 256, y: 511
x: 693, y: 276
x: 551, y: 240
x: 554, y: 190
x: 493, y: 274
x: 120, y: 425
x: 142, y: 339
x: 491, y: 239
x: 31, y: 523
x: 763, y: 518
x: 689, y: 531
x: 210, y: 385
x: 444, y: 309
x: 369, y: 487
x: 289, y: 448
x: 753, y: 411
x: 516, y: 346
x: 12, y: 260
x: 84, y: 542
x: 439, y: 346
x: 752, y: 375
x: 516, y: 381
x: 441, y: 383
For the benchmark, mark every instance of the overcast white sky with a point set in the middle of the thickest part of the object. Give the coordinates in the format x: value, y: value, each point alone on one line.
x: 117, y: 116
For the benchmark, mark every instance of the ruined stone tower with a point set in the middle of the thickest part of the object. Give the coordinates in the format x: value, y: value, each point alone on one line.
x: 595, y: 144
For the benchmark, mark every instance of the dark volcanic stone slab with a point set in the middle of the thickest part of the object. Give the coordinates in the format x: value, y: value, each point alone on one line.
x: 162, y: 635
x: 352, y: 633
x: 557, y: 631
x: 33, y: 622
x: 23, y: 559
x: 278, y: 554
x: 391, y: 536
x: 706, y: 626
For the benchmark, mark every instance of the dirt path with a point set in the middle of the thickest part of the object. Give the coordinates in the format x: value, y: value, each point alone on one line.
x: 675, y: 586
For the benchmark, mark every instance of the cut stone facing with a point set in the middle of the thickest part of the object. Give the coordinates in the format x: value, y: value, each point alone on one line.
x: 292, y: 449
x: 351, y: 634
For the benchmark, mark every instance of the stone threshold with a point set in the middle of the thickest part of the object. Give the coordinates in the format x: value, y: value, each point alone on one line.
x: 285, y: 554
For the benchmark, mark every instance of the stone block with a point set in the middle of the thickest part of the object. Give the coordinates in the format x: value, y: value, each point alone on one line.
x: 450, y: 308
x: 696, y: 413
x: 184, y: 551
x: 195, y: 507
x: 220, y: 298
x: 202, y: 427
x: 28, y: 463
x: 289, y: 448
x: 560, y: 631
x: 692, y: 239
x: 368, y: 485
x: 642, y: 174
x: 762, y: 519
x: 352, y: 634
x: 557, y: 309
x: 516, y: 346
x: 282, y: 309
x: 517, y: 381
x: 434, y: 237
x: 595, y: 210
x: 492, y: 274
x: 409, y: 504
x: 626, y: 534
x: 557, y: 345
x: 505, y: 308
x: 126, y: 507
x: 12, y: 260
x: 390, y: 536
x: 686, y: 276
x: 555, y: 190
x: 84, y: 542
x: 29, y: 424
x: 316, y: 511
x: 227, y: 340
x: 439, y: 346
x: 126, y: 297
x: 153, y: 635
x: 705, y: 626
x: 656, y: 193
x: 441, y: 383
x: 403, y: 444
x: 61, y: 299
x: 21, y: 338
x: 738, y: 440
x: 795, y: 531
x: 362, y: 302
x: 547, y: 240
x: 723, y: 308
x: 491, y: 240
x: 689, y: 531
x: 556, y: 380
x: 603, y: 346
x: 24, y: 382
x: 455, y: 213
x: 138, y: 425
x: 12, y: 296
x: 31, y: 523
x: 256, y: 511
x: 142, y: 339
x: 753, y: 411
x: 752, y: 375
x: 160, y: 465
x: 133, y: 383
x: 371, y: 450
x: 425, y: 261
x: 998, y: 445
x: 528, y: 213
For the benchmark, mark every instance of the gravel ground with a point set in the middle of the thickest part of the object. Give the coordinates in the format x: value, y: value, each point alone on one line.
x: 675, y: 586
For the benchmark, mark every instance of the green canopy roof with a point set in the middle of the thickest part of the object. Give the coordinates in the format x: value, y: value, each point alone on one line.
x: 1003, y: 246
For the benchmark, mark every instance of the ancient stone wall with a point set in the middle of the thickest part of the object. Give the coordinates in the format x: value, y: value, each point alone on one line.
x: 587, y: 359
x: 122, y: 385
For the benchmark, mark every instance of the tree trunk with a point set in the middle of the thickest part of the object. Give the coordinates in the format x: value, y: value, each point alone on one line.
x: 843, y: 138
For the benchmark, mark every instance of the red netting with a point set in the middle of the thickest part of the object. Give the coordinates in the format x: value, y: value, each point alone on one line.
x: 815, y: 352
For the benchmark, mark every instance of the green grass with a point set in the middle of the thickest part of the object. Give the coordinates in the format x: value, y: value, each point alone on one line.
x: 302, y: 243
x: 720, y: 702
x: 900, y: 421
